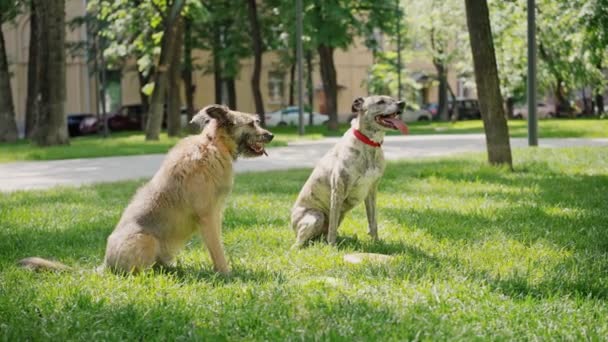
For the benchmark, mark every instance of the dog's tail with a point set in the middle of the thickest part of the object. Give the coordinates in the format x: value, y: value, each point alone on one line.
x: 40, y: 264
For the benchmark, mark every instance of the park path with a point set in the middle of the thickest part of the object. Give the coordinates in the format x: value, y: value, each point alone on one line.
x: 74, y: 172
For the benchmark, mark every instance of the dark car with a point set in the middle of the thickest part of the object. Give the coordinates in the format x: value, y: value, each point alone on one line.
x: 433, y: 108
x: 465, y: 110
x: 126, y: 118
x: 74, y: 121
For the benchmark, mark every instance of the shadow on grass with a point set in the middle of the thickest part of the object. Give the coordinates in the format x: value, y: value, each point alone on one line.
x: 238, y: 274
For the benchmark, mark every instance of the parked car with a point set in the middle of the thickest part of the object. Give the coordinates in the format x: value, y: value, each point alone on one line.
x: 126, y: 118
x: 289, y: 116
x: 464, y: 109
x: 74, y: 121
x: 543, y: 111
x: 433, y: 108
x: 410, y: 114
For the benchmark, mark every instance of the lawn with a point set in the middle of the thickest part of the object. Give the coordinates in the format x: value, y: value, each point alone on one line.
x: 121, y: 144
x: 480, y: 253
x: 118, y: 144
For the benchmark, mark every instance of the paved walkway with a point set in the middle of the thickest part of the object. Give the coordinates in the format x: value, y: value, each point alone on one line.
x: 73, y: 172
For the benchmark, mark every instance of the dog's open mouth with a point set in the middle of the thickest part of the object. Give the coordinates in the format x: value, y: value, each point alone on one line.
x: 257, y: 148
x: 392, y: 121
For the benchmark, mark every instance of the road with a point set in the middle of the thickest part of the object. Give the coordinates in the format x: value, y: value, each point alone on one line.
x: 74, y: 172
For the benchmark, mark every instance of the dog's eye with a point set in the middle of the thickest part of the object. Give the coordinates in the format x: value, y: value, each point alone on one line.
x: 380, y: 102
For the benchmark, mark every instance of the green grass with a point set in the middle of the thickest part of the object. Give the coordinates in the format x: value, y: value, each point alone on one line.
x: 554, y: 128
x: 124, y: 144
x: 481, y: 253
x: 118, y: 144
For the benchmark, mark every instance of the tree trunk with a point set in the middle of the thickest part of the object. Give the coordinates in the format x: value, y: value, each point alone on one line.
x: 217, y: 67
x: 292, y: 84
x: 330, y: 84
x: 155, y: 116
x: 174, y: 102
x: 51, y: 127
x: 563, y: 105
x: 452, y: 111
x: 145, y: 99
x: 33, y: 76
x: 488, y: 86
x: 102, y: 73
x: 599, y: 93
x: 188, y: 68
x: 599, y: 102
x: 442, y: 99
x: 231, y: 89
x: 257, y: 54
x: 311, y: 90
x: 8, y: 126
x: 510, y: 107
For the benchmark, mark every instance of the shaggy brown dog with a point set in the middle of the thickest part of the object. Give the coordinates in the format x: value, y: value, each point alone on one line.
x: 185, y: 196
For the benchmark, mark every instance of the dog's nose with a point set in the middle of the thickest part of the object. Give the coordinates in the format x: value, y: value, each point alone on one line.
x: 268, y: 136
x: 401, y: 104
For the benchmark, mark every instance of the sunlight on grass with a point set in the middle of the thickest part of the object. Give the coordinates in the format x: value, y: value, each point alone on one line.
x: 478, y: 253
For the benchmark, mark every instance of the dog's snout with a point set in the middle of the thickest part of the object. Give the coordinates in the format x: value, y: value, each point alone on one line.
x: 401, y: 105
x: 268, y: 136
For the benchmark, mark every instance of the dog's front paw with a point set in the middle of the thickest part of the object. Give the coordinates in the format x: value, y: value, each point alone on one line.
x: 374, y: 237
x: 223, y: 270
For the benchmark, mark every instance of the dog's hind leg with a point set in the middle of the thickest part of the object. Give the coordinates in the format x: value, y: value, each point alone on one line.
x: 308, y: 225
x: 133, y: 253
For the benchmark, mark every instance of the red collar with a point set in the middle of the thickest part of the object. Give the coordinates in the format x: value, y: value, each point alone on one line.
x: 364, y: 139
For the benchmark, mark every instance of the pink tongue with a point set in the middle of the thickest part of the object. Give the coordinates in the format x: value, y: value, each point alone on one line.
x: 399, y: 124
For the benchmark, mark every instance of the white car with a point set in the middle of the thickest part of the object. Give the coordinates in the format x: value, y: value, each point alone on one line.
x: 543, y: 111
x: 289, y: 116
x: 410, y: 115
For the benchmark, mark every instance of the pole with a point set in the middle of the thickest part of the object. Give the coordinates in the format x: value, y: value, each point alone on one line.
x: 399, y: 86
x: 532, y: 118
x: 300, y: 67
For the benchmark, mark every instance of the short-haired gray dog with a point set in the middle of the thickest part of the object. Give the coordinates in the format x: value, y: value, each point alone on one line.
x: 349, y: 173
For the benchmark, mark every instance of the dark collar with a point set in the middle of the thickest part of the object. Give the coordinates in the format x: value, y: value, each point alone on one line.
x: 364, y: 139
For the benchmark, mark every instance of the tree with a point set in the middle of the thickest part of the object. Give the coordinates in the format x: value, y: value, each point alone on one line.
x: 188, y: 67
x: 486, y: 77
x: 155, y: 115
x: 334, y: 24
x: 222, y: 33
x: 33, y: 75
x: 595, y: 21
x: 8, y: 125
x: 566, y: 62
x: 173, y: 93
x: 256, y: 40
x: 51, y: 128
x: 121, y: 30
x: 439, y: 26
x: 510, y: 42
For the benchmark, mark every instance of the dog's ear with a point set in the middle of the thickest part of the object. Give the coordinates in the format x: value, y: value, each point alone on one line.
x: 201, y: 119
x: 218, y: 112
x: 358, y: 105
x: 214, y: 111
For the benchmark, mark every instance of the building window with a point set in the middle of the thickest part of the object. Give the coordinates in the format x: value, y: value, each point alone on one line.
x: 276, y: 87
